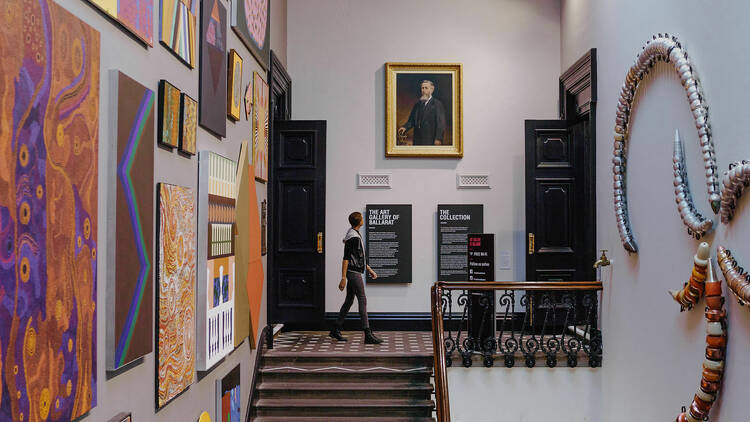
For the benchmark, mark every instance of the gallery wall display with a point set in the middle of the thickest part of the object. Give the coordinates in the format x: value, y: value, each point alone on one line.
x: 121, y: 417
x: 454, y: 223
x: 697, y: 224
x: 260, y: 127
x: 424, y: 110
x: 48, y: 212
x: 733, y: 184
x: 217, y: 177
x: 228, y: 396
x: 234, y: 85
x: 137, y: 16
x: 130, y: 299
x: 178, y: 28
x: 737, y: 279
x: 213, y: 68
x: 251, y: 21
x: 389, y: 241
x: 176, y: 261
x: 713, y: 364
x: 248, y: 99
x: 168, y: 130
x: 693, y: 290
x: 659, y: 48
x: 188, y: 124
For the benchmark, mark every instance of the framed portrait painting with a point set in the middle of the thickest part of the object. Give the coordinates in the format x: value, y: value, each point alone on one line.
x: 424, y: 110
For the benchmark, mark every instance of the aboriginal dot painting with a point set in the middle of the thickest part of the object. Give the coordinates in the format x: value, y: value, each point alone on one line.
x: 176, y: 280
x: 188, y: 124
x: 49, y: 125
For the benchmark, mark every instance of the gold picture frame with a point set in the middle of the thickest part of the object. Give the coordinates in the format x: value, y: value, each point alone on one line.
x: 426, y: 101
x: 234, y: 86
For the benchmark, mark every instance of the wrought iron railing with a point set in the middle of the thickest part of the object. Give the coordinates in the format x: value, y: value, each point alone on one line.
x: 512, y: 320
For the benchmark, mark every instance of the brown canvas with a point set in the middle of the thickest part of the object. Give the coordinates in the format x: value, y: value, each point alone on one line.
x: 133, y: 292
x: 49, y: 150
x: 242, y: 249
x: 213, y: 68
x: 176, y: 280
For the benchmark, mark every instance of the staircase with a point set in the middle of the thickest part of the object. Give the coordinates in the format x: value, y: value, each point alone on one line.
x: 309, y: 377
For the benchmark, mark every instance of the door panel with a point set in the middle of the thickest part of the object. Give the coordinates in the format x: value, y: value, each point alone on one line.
x: 297, y: 263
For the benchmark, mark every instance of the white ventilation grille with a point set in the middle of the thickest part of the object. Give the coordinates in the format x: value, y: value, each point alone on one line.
x: 481, y: 181
x: 370, y: 180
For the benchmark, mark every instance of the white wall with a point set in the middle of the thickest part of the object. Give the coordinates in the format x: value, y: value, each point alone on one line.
x: 653, y: 352
x: 134, y: 390
x: 510, y: 55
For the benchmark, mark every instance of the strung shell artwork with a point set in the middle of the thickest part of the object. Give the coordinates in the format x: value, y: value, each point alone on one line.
x: 697, y: 225
x: 734, y: 181
x: 694, y: 288
x: 737, y: 279
x: 668, y: 49
x: 713, y: 364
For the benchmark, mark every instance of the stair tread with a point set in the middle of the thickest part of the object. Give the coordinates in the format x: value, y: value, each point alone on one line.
x: 345, y: 369
x: 339, y: 403
x: 365, y: 353
x: 340, y: 419
x: 328, y: 386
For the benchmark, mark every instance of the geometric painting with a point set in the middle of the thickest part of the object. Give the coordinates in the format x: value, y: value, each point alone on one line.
x: 49, y: 154
x: 213, y: 68
x: 177, y: 29
x: 242, y: 246
x: 228, y: 400
x: 175, y: 263
x: 188, y: 124
x: 251, y: 22
x: 137, y: 16
x: 130, y: 327
x: 169, y: 115
x: 260, y: 128
x: 234, y: 85
x: 216, y: 263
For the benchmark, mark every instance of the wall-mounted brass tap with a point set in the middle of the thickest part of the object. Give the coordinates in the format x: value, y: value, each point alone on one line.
x: 603, y: 260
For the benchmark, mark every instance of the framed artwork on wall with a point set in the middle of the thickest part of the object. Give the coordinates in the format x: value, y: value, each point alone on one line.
x: 188, y: 124
x: 175, y: 264
x: 260, y: 128
x: 251, y: 21
x: 136, y: 16
x: 424, y: 110
x: 212, y: 115
x: 263, y: 226
x: 228, y: 399
x: 122, y: 417
x: 168, y: 130
x: 130, y: 292
x: 234, y: 86
x: 49, y: 180
x: 248, y: 99
x: 177, y: 29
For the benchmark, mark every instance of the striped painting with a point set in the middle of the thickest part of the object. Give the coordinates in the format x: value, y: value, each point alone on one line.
x: 137, y: 16
x: 176, y: 257
x: 131, y: 320
x: 177, y: 29
x: 260, y: 128
x: 49, y: 184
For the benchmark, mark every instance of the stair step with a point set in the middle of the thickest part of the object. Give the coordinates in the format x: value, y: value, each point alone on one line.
x: 345, y: 390
x: 343, y: 407
x: 362, y: 359
x: 337, y: 419
x: 375, y: 374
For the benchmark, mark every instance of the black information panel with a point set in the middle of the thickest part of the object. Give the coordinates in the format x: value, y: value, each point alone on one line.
x: 481, y: 260
x: 454, y: 223
x: 389, y: 242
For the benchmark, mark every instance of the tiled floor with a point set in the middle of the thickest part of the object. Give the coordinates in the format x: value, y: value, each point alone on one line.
x: 404, y: 343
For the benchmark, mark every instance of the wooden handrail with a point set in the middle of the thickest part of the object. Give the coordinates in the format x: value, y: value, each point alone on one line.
x: 442, y: 405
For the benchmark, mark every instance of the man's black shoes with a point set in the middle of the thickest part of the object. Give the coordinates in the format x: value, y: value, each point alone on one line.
x: 370, y: 338
x: 336, y: 333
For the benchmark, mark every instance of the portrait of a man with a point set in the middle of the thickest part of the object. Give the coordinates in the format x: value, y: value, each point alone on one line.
x: 423, y: 110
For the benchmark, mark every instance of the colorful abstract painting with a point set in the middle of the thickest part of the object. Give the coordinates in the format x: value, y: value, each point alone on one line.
x: 216, y: 265
x: 176, y: 260
x: 228, y: 399
x: 49, y: 150
x: 169, y: 115
x: 130, y: 326
x: 260, y: 128
x: 251, y: 21
x: 234, y: 86
x: 248, y: 99
x: 188, y: 124
x: 242, y: 246
x: 177, y: 29
x: 213, y: 69
x: 137, y: 16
